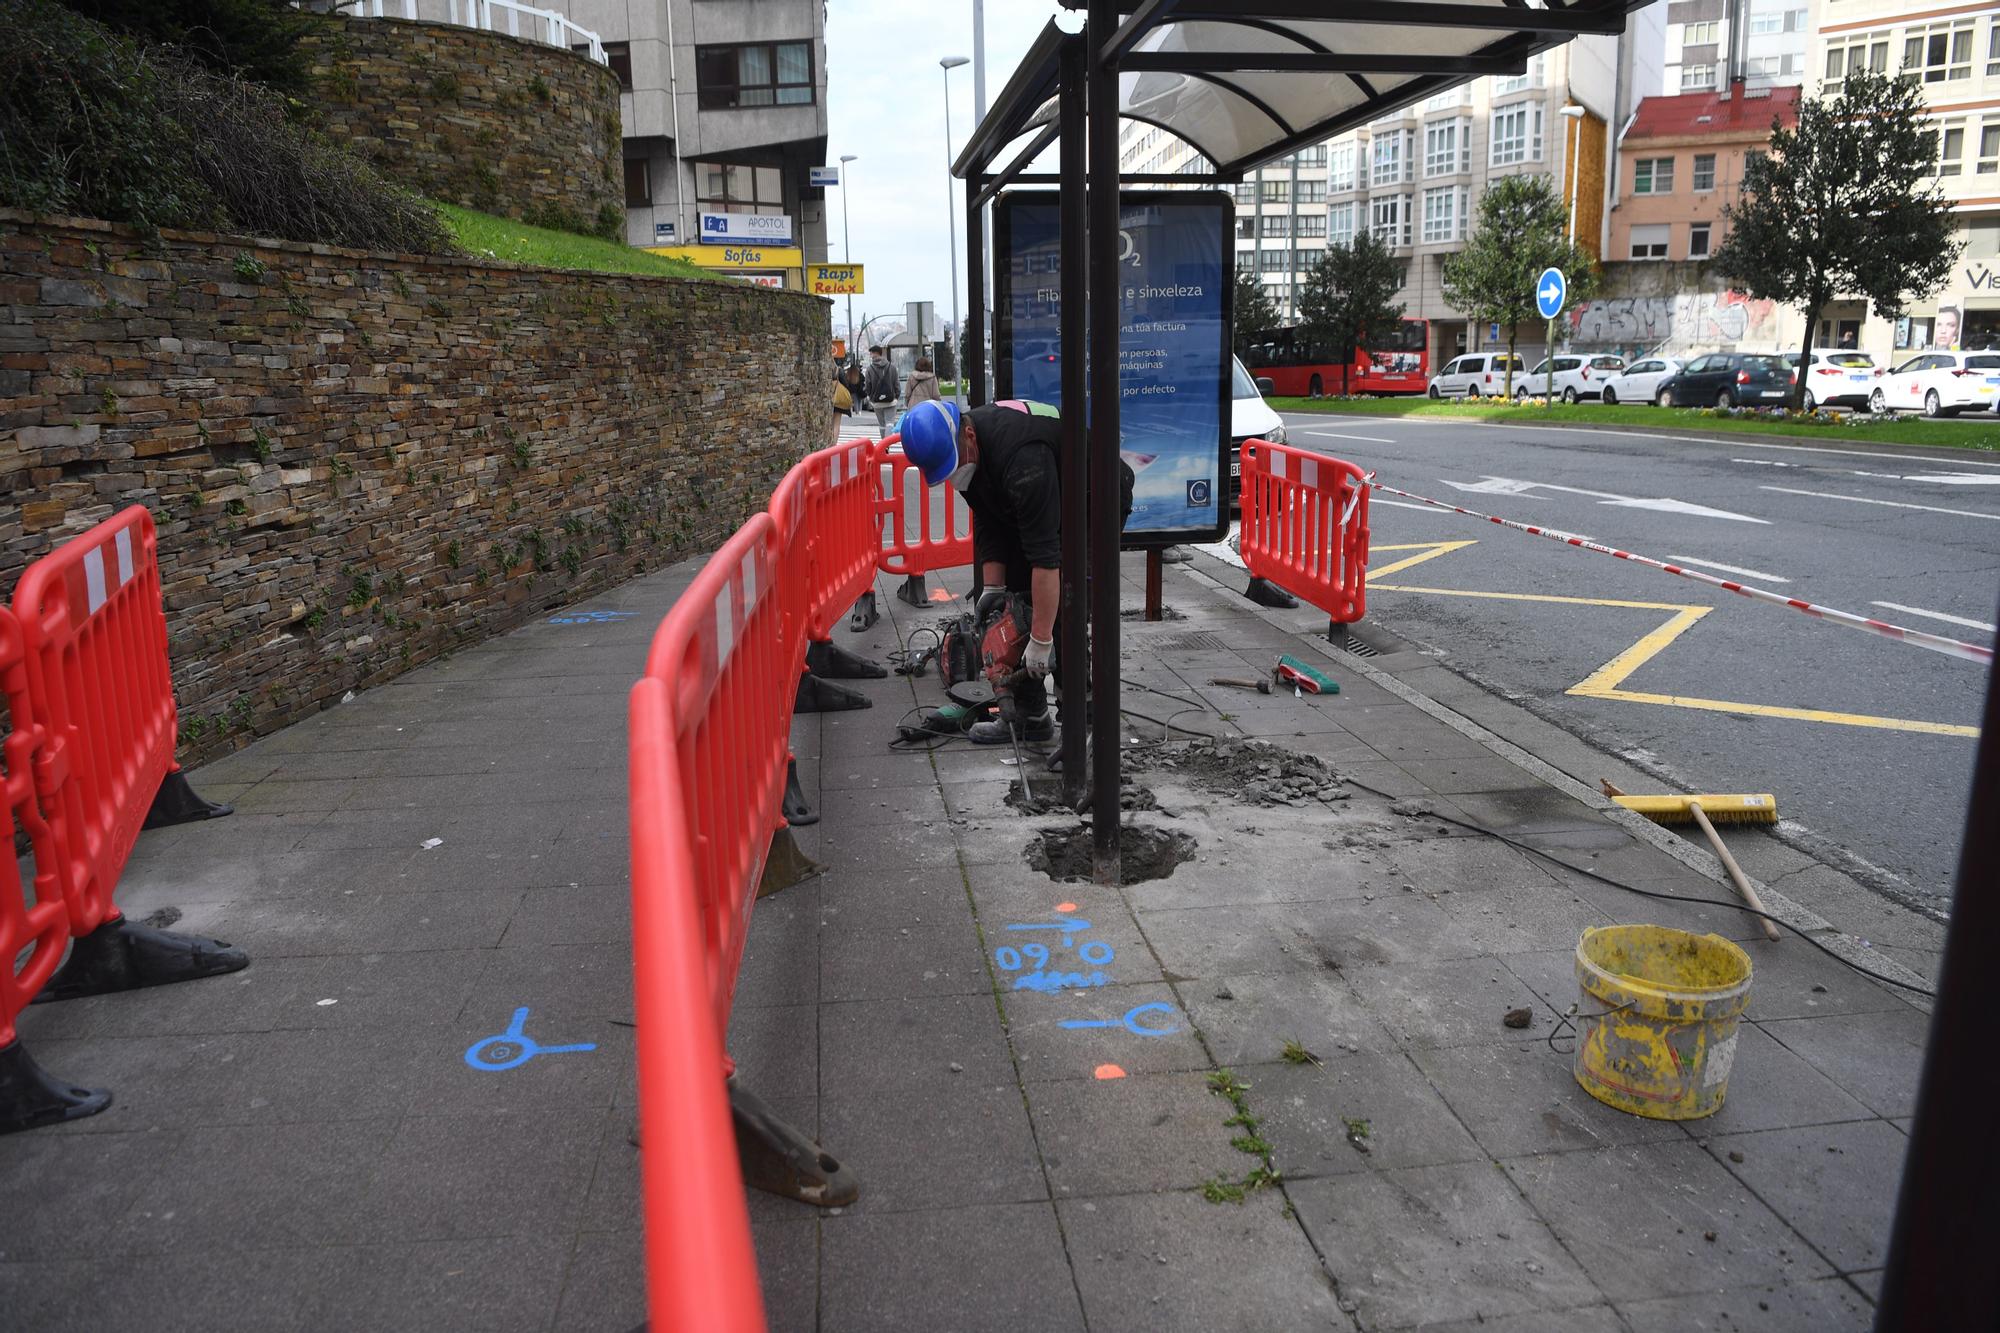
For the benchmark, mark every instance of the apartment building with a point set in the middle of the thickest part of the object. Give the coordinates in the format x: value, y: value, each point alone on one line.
x: 1712, y: 43
x: 1414, y: 177
x: 1681, y: 168
x: 1954, y: 50
x: 724, y: 110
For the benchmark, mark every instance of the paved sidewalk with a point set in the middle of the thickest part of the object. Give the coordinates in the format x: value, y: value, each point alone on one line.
x: 305, y: 1144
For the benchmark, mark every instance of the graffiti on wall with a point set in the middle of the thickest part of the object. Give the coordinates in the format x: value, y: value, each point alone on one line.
x: 1689, y: 319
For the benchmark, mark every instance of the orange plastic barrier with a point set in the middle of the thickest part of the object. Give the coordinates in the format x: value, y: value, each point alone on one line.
x: 1305, y: 526
x: 922, y: 528
x: 32, y: 938
x: 842, y: 492
x: 96, y: 639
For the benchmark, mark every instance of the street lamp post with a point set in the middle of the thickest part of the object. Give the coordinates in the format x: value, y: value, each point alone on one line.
x: 948, y: 64
x: 1574, y: 114
x: 847, y: 246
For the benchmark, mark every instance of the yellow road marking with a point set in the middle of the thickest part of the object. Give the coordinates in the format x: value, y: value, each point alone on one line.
x: 1431, y: 550
x: 1607, y: 680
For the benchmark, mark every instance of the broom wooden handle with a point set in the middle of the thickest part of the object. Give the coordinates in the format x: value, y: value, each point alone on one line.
x: 1736, y: 875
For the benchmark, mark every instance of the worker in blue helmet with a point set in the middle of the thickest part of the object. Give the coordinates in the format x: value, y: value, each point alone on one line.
x: 1005, y: 459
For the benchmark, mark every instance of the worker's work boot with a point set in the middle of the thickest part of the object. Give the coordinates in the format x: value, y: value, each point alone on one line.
x: 993, y: 731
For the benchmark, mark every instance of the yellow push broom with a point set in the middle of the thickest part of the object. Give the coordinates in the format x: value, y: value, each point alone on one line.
x: 1761, y: 808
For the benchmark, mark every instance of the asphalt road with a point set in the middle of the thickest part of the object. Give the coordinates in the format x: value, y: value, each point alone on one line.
x: 1911, y: 537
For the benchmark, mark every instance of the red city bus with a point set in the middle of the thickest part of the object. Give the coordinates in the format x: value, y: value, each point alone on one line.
x: 1399, y: 361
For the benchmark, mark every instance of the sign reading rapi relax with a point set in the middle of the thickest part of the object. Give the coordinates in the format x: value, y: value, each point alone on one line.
x: 738, y: 228
x: 1175, y: 285
x: 833, y: 279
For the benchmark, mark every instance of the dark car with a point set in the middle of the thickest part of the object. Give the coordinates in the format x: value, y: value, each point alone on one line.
x: 1727, y: 379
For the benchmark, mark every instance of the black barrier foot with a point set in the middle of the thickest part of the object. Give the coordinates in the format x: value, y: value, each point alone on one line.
x: 913, y: 591
x: 29, y: 1097
x: 785, y: 865
x: 864, y: 615
x: 781, y: 1160
x: 823, y: 696
x: 798, y: 813
x: 831, y: 662
x: 1266, y: 593
x: 176, y: 803
x: 120, y: 955
x: 1336, y: 633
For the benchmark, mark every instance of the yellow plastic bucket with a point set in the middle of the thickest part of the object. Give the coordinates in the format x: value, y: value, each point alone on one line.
x: 1657, y: 1020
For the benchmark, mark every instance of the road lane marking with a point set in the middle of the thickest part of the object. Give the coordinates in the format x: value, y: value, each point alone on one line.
x: 1731, y: 569
x: 1402, y: 504
x: 1936, y: 615
x: 1889, y: 504
x: 1848, y: 453
x: 1432, y: 550
x: 1936, y: 478
x: 1336, y: 435
x: 1512, y: 486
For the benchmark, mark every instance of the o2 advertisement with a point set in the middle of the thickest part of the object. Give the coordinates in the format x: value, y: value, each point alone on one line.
x: 1175, y: 280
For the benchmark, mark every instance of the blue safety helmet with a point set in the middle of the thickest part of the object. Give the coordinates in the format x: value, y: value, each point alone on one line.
x: 930, y: 439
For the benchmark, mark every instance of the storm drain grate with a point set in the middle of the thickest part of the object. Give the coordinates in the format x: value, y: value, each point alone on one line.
x: 1197, y: 641
x: 1358, y: 648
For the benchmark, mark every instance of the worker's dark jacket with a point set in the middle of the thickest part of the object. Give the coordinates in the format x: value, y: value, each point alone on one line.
x: 1016, y: 490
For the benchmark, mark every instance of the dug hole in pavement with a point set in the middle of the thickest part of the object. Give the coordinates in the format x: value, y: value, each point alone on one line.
x: 1269, y: 1083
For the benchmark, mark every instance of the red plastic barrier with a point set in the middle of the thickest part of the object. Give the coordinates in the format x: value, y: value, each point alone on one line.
x: 96, y: 639
x: 843, y: 492
x: 922, y: 527
x: 1305, y: 526
x: 710, y: 726
x: 32, y: 938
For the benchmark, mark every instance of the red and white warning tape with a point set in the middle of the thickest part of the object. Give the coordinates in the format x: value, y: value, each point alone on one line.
x: 1937, y: 643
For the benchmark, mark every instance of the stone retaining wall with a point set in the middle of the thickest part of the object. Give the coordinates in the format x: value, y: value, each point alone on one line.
x: 476, y: 118
x: 359, y: 461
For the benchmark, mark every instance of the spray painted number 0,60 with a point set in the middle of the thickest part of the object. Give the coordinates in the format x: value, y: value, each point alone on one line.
x: 1095, y: 952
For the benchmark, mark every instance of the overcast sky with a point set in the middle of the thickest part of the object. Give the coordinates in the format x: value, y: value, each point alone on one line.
x: 885, y: 97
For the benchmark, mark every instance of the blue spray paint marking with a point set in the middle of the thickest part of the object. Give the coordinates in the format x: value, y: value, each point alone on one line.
x: 591, y: 617
x: 1068, y: 925
x: 1052, y: 981
x: 1130, y: 1022
x: 515, y: 1047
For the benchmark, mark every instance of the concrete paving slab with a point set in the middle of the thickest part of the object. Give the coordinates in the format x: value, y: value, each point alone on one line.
x: 915, y: 961
x: 856, y: 905
x: 882, y: 1271
x: 1845, y: 1211
x: 1876, y: 1057
x: 500, y: 1283
x: 1354, y: 1111
x: 1521, y: 1098
x: 604, y: 1283
x: 1349, y: 935
x: 1430, y: 1244
x: 1452, y: 1002
x: 466, y: 1177
x: 959, y: 1143
x: 1770, y: 1087
x: 893, y: 1047
x: 1826, y: 1306
x: 1044, y: 1049
x: 1246, y: 1018
x: 1144, y: 1132
x: 1582, y: 1319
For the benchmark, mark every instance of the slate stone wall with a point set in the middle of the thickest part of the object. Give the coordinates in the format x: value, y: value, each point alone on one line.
x: 359, y: 461
x: 481, y: 119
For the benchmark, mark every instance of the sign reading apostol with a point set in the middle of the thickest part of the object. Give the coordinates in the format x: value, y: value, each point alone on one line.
x: 1175, y: 284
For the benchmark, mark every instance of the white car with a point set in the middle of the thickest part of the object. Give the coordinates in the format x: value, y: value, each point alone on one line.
x: 1638, y: 382
x: 1576, y: 376
x: 1838, y: 378
x: 1479, y: 375
x: 1941, y: 384
x: 1250, y: 418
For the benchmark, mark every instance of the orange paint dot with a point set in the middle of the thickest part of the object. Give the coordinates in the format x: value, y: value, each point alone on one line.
x: 1065, y: 907
x: 1110, y: 1071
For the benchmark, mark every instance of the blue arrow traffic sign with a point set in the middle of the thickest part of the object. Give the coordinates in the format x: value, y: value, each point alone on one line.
x: 1550, y: 290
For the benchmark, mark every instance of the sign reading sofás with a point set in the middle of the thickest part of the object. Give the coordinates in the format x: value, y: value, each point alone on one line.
x: 1175, y: 279
x: 739, y: 228
x: 833, y: 279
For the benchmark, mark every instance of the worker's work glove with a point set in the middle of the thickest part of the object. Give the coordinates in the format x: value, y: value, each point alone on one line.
x: 1036, y: 663
x: 988, y: 604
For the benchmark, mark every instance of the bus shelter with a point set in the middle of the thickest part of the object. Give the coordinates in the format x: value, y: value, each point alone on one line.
x: 1246, y: 83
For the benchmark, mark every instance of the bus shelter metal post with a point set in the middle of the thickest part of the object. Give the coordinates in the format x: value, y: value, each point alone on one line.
x: 969, y: 357
x: 1951, y: 1175
x: 1101, y: 79
x: 1073, y: 654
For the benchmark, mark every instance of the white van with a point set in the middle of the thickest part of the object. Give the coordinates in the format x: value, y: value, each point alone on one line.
x: 1477, y: 375
x: 1250, y: 418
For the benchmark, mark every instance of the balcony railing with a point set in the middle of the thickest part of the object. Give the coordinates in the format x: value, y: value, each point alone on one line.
x: 508, y: 16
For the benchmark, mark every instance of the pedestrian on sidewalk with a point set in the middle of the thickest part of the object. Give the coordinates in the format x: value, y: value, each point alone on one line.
x: 922, y: 386
x: 851, y: 376
x: 1004, y: 458
x: 882, y: 389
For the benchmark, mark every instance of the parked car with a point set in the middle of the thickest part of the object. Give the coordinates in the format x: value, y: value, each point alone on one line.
x: 1727, y: 379
x: 1839, y: 378
x: 1576, y: 377
x: 1638, y: 382
x: 1479, y: 375
x: 1250, y: 418
x: 1942, y: 384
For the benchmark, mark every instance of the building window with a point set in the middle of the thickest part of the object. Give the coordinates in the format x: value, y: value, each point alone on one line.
x: 1275, y: 192
x: 1951, y: 147
x: 1274, y: 225
x: 1653, y: 175
x: 1698, y: 240
x: 724, y: 187
x: 1704, y: 171
x: 1446, y: 147
x: 1772, y: 67
x: 1993, y: 51
x: 1312, y: 224
x: 1762, y: 25
x: 618, y: 55
x: 1314, y: 156
x: 1389, y: 219
x: 1246, y: 261
x: 1531, y: 78
x: 1446, y: 100
x: 1703, y: 34
x: 1246, y: 193
x: 638, y: 183
x: 1517, y: 135
x: 1939, y: 52
x: 1989, y: 148
x: 1340, y: 167
x: 1650, y: 242
x: 757, y: 74
x: 1442, y: 213
x: 1272, y: 261
x: 1246, y: 227
x: 1340, y: 224
x: 1697, y: 78
x: 1870, y: 53
x: 1391, y: 158
x: 1312, y: 192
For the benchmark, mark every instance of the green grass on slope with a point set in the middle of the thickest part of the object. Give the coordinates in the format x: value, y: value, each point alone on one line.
x: 1981, y: 431
x: 482, y: 234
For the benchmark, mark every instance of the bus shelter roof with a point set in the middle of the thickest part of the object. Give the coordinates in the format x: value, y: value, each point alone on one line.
x: 1249, y: 81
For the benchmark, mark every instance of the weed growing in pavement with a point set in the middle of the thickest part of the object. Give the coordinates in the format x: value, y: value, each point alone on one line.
x: 1298, y: 1055
x: 1262, y: 1176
